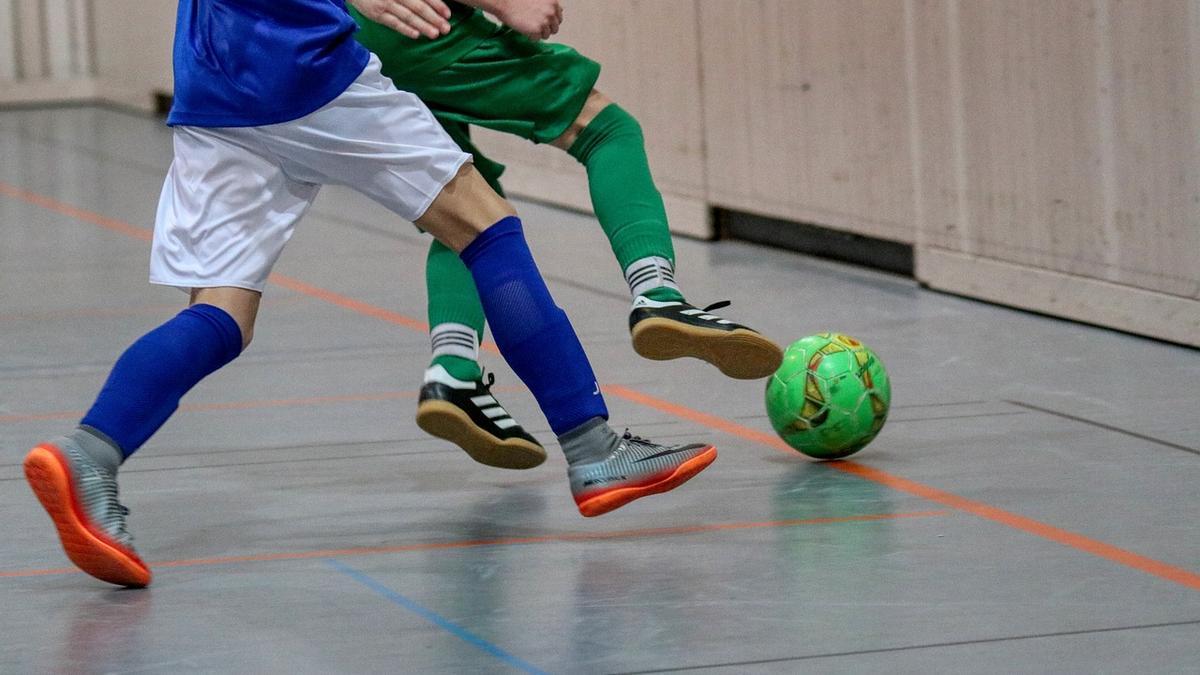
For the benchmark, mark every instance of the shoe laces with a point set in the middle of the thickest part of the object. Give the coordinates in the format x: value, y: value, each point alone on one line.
x: 629, y: 436
x: 97, y: 492
x: 122, y: 535
x: 115, y: 512
x: 490, y: 378
x: 718, y: 305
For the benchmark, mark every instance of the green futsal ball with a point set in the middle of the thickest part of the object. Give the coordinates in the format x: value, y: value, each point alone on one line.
x: 830, y: 396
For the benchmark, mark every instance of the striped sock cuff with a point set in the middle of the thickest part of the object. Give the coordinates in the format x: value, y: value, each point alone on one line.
x: 454, y: 339
x: 645, y: 274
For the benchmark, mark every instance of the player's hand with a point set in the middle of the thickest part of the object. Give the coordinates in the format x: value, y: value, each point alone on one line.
x: 535, y: 19
x: 411, y: 18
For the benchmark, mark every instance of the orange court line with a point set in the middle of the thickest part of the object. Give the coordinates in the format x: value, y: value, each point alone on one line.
x: 1076, y: 541
x: 145, y: 234
x: 236, y: 405
x: 1095, y: 547
x: 502, y: 541
x: 50, y: 204
x: 347, y: 302
x: 136, y: 310
x: 1017, y: 522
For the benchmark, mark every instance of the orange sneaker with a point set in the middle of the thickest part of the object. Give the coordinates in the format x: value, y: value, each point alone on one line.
x: 636, y: 468
x: 81, y: 498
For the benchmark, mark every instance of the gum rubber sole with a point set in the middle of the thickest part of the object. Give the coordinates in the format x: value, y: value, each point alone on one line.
x: 448, y: 421
x: 86, y: 545
x: 741, y: 354
x: 604, y: 502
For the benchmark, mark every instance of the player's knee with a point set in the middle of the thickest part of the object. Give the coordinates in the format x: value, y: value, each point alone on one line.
x: 624, y: 123
x: 613, y: 124
x: 237, y: 309
x: 466, y: 206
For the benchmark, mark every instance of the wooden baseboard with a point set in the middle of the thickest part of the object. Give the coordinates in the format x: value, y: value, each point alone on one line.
x: 1134, y: 310
x: 137, y: 97
x: 44, y: 92
x: 82, y: 90
x: 824, y: 242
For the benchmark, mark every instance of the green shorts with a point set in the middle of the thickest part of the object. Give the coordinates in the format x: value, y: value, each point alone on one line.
x: 497, y: 79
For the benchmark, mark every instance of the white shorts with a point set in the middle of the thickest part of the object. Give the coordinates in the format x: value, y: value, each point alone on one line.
x: 233, y: 195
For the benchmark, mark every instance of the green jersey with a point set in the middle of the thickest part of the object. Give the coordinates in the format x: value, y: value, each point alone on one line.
x: 409, y: 56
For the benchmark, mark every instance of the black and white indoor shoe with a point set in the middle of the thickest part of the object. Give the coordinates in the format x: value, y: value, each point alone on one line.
x: 672, y: 330
x: 469, y: 416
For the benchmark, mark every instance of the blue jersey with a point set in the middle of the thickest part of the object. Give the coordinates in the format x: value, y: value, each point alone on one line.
x: 241, y: 63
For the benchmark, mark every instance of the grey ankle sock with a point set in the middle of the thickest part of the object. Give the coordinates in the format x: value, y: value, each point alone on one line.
x: 98, y: 447
x: 591, y: 441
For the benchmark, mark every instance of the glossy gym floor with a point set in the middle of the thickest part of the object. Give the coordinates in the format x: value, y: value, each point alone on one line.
x: 1031, y: 505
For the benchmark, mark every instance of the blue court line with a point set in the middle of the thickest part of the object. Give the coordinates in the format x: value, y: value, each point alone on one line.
x: 435, y: 618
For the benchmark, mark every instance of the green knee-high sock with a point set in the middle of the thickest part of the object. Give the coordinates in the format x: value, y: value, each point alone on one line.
x: 455, y: 313
x: 627, y: 203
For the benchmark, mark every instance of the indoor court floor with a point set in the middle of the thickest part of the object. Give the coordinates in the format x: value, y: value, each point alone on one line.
x: 1031, y: 505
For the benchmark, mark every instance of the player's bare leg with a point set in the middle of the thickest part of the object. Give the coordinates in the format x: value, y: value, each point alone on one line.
x: 465, y: 208
x: 240, y: 303
x: 595, y: 103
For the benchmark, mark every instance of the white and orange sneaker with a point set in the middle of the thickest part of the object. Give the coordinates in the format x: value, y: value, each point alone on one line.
x: 81, y: 498
x: 635, y: 468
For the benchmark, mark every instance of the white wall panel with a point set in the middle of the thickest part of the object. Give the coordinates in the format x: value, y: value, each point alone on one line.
x: 8, y: 41
x: 133, y: 49
x: 31, y: 54
x: 82, y: 46
x: 45, y: 51
x: 807, y: 112
x: 58, y: 37
x: 1062, y: 136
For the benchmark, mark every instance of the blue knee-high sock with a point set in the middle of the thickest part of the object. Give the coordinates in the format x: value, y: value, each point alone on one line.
x: 148, y: 380
x: 533, y: 334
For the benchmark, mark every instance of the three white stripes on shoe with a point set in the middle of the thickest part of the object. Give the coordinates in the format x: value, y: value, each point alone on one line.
x: 643, y: 301
x: 494, y: 411
x: 702, y: 315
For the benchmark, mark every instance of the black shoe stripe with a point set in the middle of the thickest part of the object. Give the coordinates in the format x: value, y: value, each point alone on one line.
x: 641, y: 277
x: 452, y: 336
x: 638, y: 276
x: 461, y: 399
x: 670, y: 451
x: 442, y: 333
x: 676, y: 313
x: 443, y: 340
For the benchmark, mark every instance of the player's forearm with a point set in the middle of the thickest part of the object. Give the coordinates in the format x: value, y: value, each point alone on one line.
x: 413, y: 18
